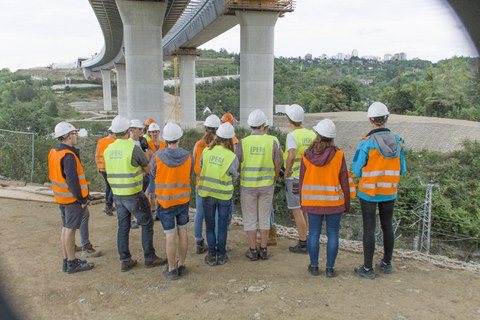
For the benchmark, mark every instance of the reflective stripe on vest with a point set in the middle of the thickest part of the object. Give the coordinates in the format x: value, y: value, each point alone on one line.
x: 351, y: 184
x: 102, y: 144
x: 304, y: 138
x: 172, y: 184
x: 214, y: 181
x: 257, y: 168
x: 380, y: 176
x: 61, y: 192
x: 124, y: 179
x: 321, y: 185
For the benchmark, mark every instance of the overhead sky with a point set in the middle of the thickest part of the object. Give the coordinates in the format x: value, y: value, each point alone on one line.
x: 40, y: 32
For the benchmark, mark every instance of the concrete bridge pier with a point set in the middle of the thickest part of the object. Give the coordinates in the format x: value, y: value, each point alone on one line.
x: 142, y: 29
x: 107, y: 90
x: 121, y: 89
x: 256, y: 62
x: 188, y: 102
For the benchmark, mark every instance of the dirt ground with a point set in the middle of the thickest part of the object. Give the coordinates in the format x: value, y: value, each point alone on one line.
x: 279, y: 288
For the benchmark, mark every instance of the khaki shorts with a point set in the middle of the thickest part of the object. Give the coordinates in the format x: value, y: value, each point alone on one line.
x: 293, y: 198
x: 256, y: 209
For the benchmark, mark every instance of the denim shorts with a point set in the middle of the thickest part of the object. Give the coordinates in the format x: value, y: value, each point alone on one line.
x: 72, y: 215
x: 177, y: 214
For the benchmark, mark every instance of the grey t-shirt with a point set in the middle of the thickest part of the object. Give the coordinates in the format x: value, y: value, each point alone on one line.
x: 138, y: 157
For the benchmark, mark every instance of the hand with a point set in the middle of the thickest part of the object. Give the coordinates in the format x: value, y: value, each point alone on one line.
x: 84, y: 205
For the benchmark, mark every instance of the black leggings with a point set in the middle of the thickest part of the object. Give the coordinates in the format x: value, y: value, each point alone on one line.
x: 369, y: 220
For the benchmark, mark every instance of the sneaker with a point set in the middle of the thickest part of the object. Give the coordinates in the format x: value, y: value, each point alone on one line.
x: 313, y: 270
x: 299, y: 248
x: 201, y: 246
x: 211, y: 259
x: 364, y: 273
x: 127, y: 265
x: 134, y: 224
x: 155, y: 262
x: 182, y: 270
x: 330, y: 272
x: 171, y: 275
x: 263, y: 253
x: 108, y: 211
x: 385, y: 267
x: 78, y: 265
x: 252, y: 254
x: 90, y: 252
x: 221, y: 260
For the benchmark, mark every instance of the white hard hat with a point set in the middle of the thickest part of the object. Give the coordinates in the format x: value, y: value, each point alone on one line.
x: 295, y: 112
x: 326, y: 128
x: 172, y: 132
x: 256, y: 118
x: 135, y: 123
x: 63, y: 128
x: 212, y: 121
x: 377, y: 109
x: 153, y: 127
x: 82, y: 133
x: 119, y: 124
x: 226, y: 131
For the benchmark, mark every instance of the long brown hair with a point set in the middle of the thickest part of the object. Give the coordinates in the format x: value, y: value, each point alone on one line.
x: 320, y: 144
x: 227, y: 143
x: 209, y: 135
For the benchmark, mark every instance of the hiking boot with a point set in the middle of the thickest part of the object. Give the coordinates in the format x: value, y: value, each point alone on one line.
x: 313, y: 270
x: 385, y: 267
x: 221, y: 260
x: 364, y: 273
x: 108, y: 211
x: 134, y: 224
x: 78, y: 265
x: 201, y: 246
x: 330, y: 272
x: 300, y: 247
x: 182, y: 270
x: 252, y: 254
x: 211, y: 259
x: 155, y: 262
x: 127, y: 265
x: 89, y: 252
x: 171, y: 275
x: 263, y: 253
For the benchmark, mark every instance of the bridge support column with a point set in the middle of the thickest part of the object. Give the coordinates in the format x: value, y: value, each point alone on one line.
x: 256, y: 62
x: 107, y: 90
x: 188, y: 103
x: 142, y: 31
x: 121, y: 89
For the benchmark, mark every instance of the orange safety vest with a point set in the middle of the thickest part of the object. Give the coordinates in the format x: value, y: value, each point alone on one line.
x: 61, y: 193
x: 102, y: 144
x: 321, y: 185
x: 200, y: 145
x: 235, y: 140
x: 172, y: 184
x: 380, y: 176
x: 161, y: 145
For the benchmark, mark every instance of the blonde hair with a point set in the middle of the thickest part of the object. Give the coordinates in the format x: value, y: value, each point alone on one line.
x: 320, y: 144
x: 227, y: 143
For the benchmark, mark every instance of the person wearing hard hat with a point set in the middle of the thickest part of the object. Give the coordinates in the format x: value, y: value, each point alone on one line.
x: 154, y: 144
x: 260, y: 160
x: 219, y: 169
x: 146, y: 124
x: 228, y: 117
x: 172, y: 168
x: 325, y: 193
x: 126, y: 164
x: 70, y: 191
x: 379, y: 162
x: 211, y: 124
x: 102, y: 144
x: 298, y: 140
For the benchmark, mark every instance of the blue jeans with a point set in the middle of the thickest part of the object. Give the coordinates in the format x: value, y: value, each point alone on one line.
x: 199, y: 217
x: 314, y: 230
x: 139, y: 207
x: 108, y: 191
x: 217, y: 245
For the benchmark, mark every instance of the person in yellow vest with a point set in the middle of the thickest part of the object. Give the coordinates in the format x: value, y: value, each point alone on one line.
x: 126, y: 164
x: 154, y: 144
x: 219, y: 169
x: 298, y: 140
x: 70, y: 191
x: 172, y: 168
x: 260, y: 159
x: 324, y: 193
x: 212, y: 122
x: 102, y: 144
x: 379, y: 162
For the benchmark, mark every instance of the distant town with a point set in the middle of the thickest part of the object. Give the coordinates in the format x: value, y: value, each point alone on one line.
x: 402, y: 56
